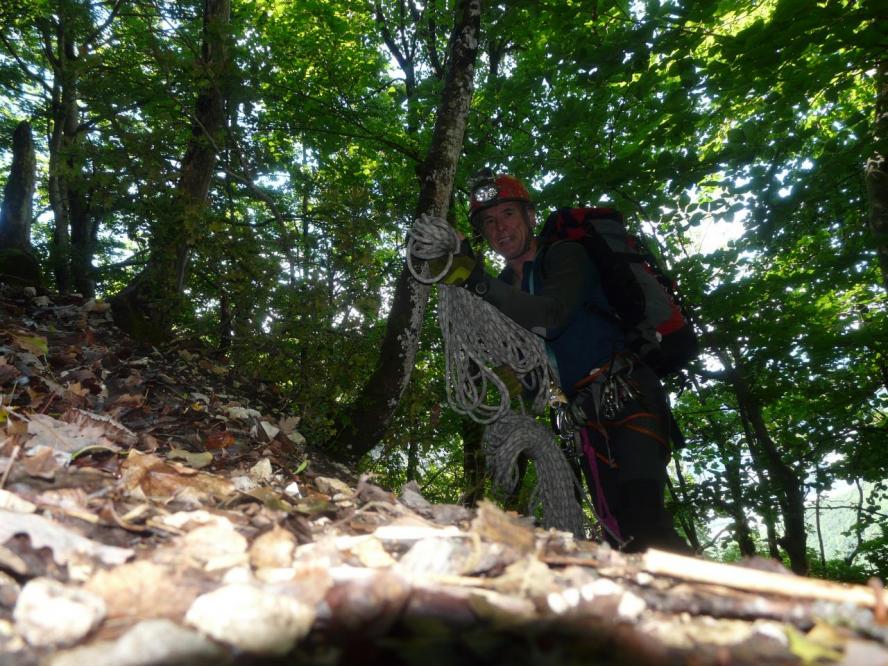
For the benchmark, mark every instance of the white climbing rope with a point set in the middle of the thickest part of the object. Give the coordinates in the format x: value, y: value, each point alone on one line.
x: 478, y: 338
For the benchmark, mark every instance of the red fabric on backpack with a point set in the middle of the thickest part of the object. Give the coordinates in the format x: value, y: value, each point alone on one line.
x: 639, y: 293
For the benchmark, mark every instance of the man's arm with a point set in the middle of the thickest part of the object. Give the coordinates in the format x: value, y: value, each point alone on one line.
x: 568, y: 272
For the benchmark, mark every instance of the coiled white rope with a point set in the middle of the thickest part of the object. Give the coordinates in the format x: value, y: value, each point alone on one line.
x: 478, y: 338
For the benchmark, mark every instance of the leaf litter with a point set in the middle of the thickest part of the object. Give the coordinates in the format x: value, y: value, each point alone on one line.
x: 154, y: 510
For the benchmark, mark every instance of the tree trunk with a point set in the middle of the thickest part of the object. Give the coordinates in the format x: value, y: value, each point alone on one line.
x: 147, y: 306
x: 687, y: 522
x: 876, y: 173
x: 786, y: 481
x: 473, y: 461
x: 18, y: 195
x: 365, y: 422
x: 737, y: 507
x: 62, y: 144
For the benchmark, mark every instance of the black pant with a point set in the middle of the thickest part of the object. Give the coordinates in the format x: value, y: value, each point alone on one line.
x: 625, y: 462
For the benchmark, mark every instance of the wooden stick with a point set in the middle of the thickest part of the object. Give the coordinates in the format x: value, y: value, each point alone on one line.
x: 753, y: 580
x: 12, y: 458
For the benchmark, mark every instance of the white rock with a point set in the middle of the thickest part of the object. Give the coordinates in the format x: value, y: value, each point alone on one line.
x: 631, y: 606
x: 261, y: 471
x: 332, y: 486
x: 30, y: 292
x: 150, y: 643
x: 243, y: 483
x: 271, y: 431
x: 42, y: 301
x: 251, y: 619
x: 50, y: 613
x: 241, y: 413
x: 293, y: 490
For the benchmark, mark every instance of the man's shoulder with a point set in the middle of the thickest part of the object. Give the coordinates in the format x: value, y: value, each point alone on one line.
x: 562, y: 248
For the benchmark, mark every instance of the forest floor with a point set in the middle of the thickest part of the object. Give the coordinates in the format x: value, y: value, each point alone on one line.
x: 155, y: 509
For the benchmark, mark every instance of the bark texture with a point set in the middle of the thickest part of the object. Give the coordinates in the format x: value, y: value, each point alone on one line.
x: 765, y: 452
x: 18, y: 195
x: 876, y: 174
x: 147, y: 307
x: 363, y: 424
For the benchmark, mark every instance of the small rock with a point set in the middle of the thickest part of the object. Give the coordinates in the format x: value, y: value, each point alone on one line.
x: 243, y: 483
x: 274, y: 549
x: 149, y: 643
x: 30, y: 292
x: 270, y: 431
x: 49, y: 613
x: 330, y: 486
x: 261, y: 471
x: 413, y: 499
x: 293, y: 490
x: 251, y: 619
x: 215, y: 546
x: 42, y: 301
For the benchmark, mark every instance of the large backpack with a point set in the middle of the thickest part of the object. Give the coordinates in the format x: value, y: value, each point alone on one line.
x: 639, y: 293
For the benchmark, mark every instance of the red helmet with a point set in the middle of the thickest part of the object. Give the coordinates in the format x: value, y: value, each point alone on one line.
x: 489, y: 189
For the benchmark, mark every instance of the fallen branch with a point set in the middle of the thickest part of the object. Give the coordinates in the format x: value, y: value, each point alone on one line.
x: 754, y: 580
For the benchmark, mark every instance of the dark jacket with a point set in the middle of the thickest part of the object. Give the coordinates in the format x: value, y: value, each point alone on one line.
x: 562, y: 300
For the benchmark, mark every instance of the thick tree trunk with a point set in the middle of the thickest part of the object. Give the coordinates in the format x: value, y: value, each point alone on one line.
x: 876, y: 173
x: 147, y: 306
x: 365, y: 422
x: 18, y: 195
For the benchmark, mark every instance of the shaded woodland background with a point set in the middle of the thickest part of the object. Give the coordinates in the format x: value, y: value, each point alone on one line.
x: 241, y: 173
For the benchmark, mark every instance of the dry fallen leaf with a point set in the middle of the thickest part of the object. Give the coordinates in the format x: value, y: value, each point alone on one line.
x: 63, y: 542
x: 146, y: 476
x: 195, y: 460
x: 143, y: 589
x: 33, y: 343
x: 42, y: 463
x: 219, y: 440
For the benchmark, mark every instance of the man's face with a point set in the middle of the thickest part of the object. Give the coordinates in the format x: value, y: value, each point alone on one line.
x: 505, y: 228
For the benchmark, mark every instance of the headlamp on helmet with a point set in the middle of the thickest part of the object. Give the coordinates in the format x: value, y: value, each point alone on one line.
x: 489, y: 189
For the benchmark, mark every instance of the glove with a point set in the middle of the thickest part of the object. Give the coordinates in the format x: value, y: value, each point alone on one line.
x: 465, y: 271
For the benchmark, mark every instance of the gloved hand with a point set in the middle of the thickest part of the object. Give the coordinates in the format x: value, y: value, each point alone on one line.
x: 466, y: 270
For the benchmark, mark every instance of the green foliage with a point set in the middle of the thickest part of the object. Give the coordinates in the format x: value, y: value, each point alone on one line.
x: 692, y: 117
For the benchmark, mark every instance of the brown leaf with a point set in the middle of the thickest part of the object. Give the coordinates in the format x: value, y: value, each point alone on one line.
x: 110, y: 429
x: 219, y: 440
x: 493, y: 524
x: 42, y: 463
x: 146, y: 476
x: 143, y: 589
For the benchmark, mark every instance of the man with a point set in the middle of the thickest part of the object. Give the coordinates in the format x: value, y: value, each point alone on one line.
x: 556, y: 293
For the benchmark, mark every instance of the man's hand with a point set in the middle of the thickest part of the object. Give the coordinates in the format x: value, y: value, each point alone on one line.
x: 466, y: 270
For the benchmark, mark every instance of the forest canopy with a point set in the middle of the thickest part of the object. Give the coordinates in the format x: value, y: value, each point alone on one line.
x: 242, y: 173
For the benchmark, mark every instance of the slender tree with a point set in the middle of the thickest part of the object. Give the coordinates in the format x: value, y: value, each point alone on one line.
x: 365, y: 422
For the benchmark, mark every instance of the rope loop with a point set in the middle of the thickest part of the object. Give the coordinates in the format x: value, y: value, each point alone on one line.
x: 430, y: 238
